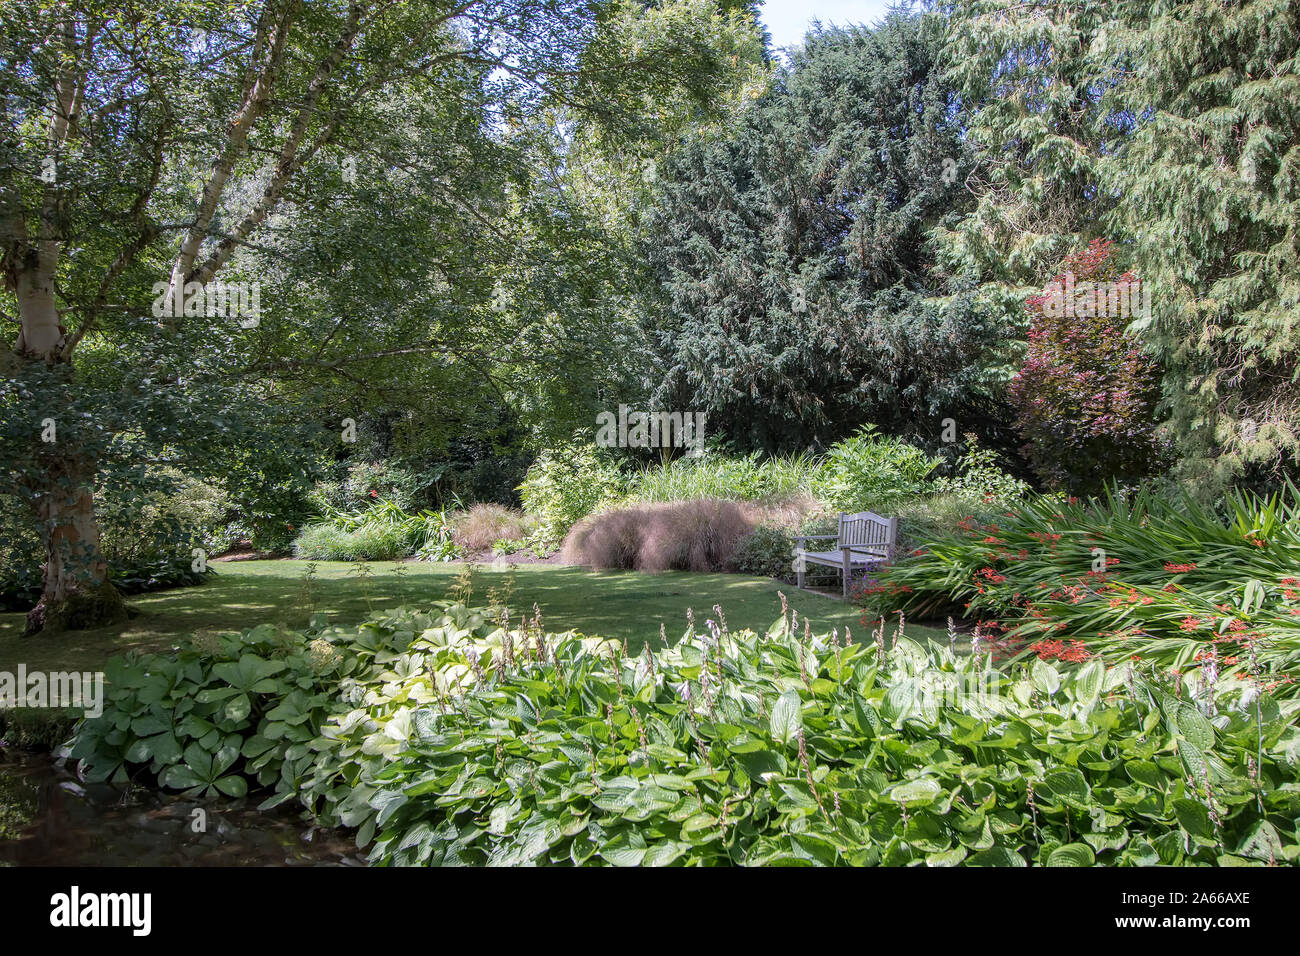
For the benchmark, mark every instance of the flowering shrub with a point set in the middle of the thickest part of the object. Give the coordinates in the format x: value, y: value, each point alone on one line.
x: 1165, y: 580
x: 1085, y: 396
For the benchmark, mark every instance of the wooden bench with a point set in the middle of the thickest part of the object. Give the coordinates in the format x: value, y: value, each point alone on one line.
x: 864, y: 539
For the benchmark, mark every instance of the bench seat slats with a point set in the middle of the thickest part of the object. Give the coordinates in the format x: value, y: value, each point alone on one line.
x: 864, y: 539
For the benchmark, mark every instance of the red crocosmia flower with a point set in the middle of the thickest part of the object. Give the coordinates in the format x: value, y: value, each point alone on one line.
x: 1074, y: 652
x: 1190, y: 624
x: 1173, y: 568
x: 373, y: 493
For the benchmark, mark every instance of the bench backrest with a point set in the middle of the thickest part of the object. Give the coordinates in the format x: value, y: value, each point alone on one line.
x: 868, y: 530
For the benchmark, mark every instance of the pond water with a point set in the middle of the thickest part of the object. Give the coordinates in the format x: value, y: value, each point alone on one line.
x: 50, y: 818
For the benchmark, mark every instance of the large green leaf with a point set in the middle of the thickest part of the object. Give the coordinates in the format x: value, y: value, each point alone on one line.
x: 787, y: 716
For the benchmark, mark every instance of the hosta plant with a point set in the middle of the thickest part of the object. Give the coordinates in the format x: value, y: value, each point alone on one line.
x: 453, y: 736
x: 789, y: 749
x: 300, y: 717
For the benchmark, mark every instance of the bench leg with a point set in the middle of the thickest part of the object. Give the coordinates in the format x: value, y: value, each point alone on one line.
x: 798, y: 565
x: 847, y: 571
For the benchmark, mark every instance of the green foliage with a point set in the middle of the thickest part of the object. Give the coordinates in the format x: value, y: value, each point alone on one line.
x: 325, y: 542
x: 21, y: 558
x: 1206, y: 188
x: 221, y: 712
x: 871, y: 471
x: 798, y: 291
x: 156, y: 573
x: 768, y: 551
x: 19, y: 807
x: 366, y: 482
x: 508, y: 545
x: 150, y: 531
x: 382, y: 532
x: 564, y: 486
x: 1154, y: 575
x: 734, y: 478
x: 310, y: 716
x: 36, y: 728
x: 437, y: 537
x: 168, y: 513
x: 1033, y: 77
x: 932, y: 517
x: 148, y: 178
x: 980, y: 479
x: 447, y: 739
x: 1172, y: 131
x: 767, y: 750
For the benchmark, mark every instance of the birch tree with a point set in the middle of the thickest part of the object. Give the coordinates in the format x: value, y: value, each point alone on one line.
x: 147, y: 143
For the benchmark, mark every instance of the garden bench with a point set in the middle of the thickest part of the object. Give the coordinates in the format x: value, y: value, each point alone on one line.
x: 864, y: 539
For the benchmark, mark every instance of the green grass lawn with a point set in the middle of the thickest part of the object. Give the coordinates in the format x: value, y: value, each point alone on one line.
x: 618, y: 604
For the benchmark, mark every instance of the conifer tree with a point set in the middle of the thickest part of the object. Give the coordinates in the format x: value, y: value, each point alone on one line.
x: 1209, y: 191
x: 799, y: 295
x: 1032, y: 77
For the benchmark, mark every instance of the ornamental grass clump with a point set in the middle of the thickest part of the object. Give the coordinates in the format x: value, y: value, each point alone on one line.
x: 698, y: 535
x: 482, y: 525
x: 381, y: 532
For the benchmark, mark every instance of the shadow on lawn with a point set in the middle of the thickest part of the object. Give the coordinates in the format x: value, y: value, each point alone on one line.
x: 618, y: 604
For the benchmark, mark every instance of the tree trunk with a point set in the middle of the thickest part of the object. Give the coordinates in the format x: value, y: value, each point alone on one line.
x: 75, y: 589
x: 75, y: 592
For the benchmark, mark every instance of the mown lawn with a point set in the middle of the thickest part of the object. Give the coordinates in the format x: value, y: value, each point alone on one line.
x: 618, y: 604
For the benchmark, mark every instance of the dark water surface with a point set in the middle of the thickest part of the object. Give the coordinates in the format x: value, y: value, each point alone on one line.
x: 49, y: 818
